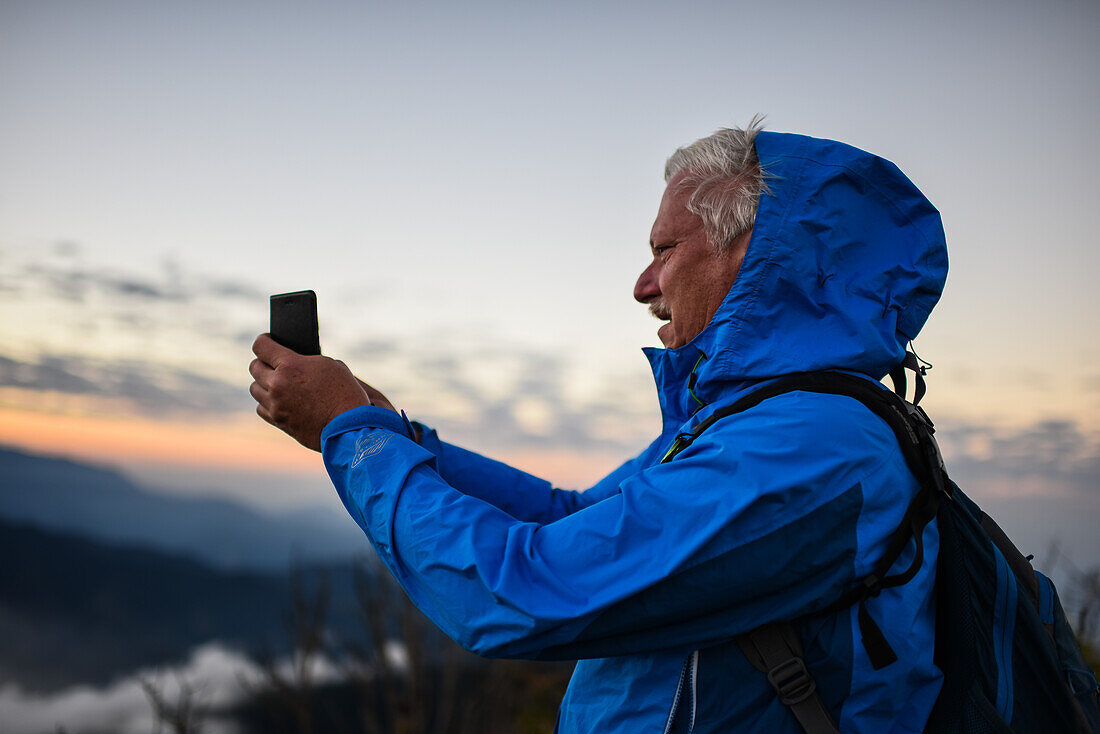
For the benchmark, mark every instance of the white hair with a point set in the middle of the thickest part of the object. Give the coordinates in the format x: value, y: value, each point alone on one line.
x: 726, y: 180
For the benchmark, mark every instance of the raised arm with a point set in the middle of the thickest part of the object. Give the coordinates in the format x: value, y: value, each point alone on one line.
x: 522, y: 495
x: 768, y: 515
x: 301, y: 394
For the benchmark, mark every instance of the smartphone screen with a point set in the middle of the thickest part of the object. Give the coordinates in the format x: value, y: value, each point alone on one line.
x: 294, y: 321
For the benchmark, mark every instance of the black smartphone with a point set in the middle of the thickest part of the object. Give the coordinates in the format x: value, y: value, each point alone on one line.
x: 294, y: 321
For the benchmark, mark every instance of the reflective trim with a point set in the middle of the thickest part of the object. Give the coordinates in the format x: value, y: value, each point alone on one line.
x: 692, y: 377
x: 1046, y: 599
x: 694, y: 688
x: 689, y: 674
x: 1004, y: 627
x: 679, y: 691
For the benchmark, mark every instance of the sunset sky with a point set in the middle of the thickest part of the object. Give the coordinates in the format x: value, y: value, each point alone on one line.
x: 469, y: 189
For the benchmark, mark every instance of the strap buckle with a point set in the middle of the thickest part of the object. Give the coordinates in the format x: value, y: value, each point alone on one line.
x: 917, y: 413
x: 791, y: 681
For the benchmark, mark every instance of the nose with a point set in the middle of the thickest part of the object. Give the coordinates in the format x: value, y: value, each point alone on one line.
x: 647, y: 289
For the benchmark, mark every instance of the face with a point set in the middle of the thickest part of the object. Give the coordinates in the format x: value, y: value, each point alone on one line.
x: 687, y: 279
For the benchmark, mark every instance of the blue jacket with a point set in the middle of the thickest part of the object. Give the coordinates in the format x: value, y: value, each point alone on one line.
x: 771, y: 514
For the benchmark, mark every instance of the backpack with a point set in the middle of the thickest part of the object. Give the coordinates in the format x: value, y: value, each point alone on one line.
x: 1009, y: 658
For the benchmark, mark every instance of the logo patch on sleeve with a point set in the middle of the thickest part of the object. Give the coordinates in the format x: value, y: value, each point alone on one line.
x: 369, y: 444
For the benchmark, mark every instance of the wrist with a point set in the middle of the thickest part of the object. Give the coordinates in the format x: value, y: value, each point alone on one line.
x: 367, y: 416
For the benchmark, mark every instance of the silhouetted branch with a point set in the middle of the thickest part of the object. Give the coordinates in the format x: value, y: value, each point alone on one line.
x: 184, y: 716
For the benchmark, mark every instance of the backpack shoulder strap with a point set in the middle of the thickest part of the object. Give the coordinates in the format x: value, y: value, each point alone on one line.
x: 776, y: 651
x: 897, y: 413
x: 913, y: 430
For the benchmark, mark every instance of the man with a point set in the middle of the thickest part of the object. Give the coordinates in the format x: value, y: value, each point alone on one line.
x: 772, y: 254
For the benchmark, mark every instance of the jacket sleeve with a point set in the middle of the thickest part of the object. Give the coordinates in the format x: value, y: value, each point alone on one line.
x: 765, y: 517
x: 522, y: 495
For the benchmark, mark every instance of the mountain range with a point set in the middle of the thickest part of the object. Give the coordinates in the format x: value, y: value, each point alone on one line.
x: 101, y: 577
x: 102, y: 504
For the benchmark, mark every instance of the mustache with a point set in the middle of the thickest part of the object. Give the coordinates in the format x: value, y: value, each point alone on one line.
x: 660, y: 309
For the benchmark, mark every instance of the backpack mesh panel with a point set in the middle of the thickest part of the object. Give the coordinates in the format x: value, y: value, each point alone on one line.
x: 965, y: 588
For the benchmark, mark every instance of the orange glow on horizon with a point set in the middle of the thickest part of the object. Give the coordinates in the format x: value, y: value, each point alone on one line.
x: 233, y: 444
x: 237, y: 444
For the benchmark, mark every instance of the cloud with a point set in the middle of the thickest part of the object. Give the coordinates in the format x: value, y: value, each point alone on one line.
x: 497, y: 399
x: 49, y: 373
x: 71, y: 282
x: 474, y: 386
x: 213, y: 672
x: 68, y: 278
x: 1047, y: 457
x: 372, y: 349
x: 66, y: 248
x: 151, y: 389
x: 172, y: 339
x: 118, y: 335
x: 515, y: 399
x: 68, y: 297
x: 480, y: 390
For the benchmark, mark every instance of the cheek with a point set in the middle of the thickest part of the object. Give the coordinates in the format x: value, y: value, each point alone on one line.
x: 668, y: 279
x: 682, y: 284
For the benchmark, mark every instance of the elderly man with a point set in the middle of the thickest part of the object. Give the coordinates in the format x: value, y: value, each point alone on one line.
x: 772, y: 254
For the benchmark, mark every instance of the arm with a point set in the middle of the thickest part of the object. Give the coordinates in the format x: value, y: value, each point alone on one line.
x: 301, y: 394
x: 760, y: 519
x: 770, y: 515
x: 522, y: 495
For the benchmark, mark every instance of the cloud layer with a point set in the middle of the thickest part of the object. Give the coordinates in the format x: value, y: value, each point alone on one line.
x: 174, y: 344
x: 1042, y: 458
x: 213, y: 673
x: 147, y: 388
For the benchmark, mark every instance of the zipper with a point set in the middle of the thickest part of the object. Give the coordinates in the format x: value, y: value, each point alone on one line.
x: 688, y: 672
x: 692, y: 377
x: 676, y: 698
x: 692, y: 683
x: 683, y: 440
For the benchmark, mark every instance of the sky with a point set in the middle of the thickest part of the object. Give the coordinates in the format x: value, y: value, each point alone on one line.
x: 469, y: 189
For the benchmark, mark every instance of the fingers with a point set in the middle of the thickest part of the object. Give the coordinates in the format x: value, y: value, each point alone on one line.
x: 301, y: 394
x: 270, y: 351
x: 263, y: 413
x: 263, y: 402
x: 261, y: 373
x: 259, y: 393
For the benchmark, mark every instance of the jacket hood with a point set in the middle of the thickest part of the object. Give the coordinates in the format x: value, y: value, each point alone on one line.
x: 846, y: 261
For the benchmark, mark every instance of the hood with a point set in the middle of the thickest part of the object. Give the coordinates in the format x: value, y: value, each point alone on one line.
x: 846, y: 260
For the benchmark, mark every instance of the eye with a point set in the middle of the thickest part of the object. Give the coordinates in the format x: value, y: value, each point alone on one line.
x: 660, y: 250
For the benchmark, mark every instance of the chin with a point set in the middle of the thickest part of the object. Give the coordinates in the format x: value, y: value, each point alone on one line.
x: 667, y: 337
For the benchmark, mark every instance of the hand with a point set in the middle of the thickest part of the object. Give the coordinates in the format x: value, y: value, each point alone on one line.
x: 377, y: 398
x: 380, y: 400
x: 300, y: 394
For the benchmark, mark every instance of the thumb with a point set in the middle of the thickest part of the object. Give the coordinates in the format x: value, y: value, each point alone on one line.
x: 270, y: 351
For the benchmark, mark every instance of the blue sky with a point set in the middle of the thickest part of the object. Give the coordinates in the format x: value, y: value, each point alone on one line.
x: 469, y: 188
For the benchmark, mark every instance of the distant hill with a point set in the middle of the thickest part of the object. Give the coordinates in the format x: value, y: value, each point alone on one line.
x: 98, y: 503
x: 74, y: 610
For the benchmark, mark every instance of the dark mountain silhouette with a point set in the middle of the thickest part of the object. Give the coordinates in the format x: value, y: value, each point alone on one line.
x: 58, y: 494
x: 74, y: 610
